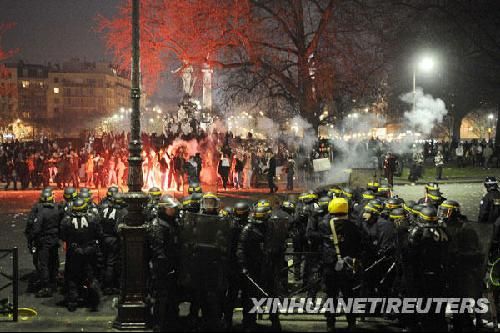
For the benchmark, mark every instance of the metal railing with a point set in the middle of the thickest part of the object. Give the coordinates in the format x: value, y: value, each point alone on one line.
x: 9, y: 306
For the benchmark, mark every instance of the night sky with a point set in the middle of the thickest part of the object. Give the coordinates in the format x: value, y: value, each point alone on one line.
x: 55, y: 30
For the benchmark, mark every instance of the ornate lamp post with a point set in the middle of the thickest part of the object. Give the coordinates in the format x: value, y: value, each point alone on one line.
x: 132, y: 309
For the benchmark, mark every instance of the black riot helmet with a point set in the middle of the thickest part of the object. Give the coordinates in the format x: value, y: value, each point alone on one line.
x: 309, y: 197
x: 348, y: 193
x: 210, y: 204
x: 70, y: 194
x: 79, y: 205
x: 154, y: 194
x: 192, y: 202
x: 491, y: 183
x: 334, y: 191
x: 118, y: 200
x: 86, y: 196
x: 47, y: 196
x: 288, y: 206
x: 261, y: 214
x: 241, y: 209
x: 227, y: 211
x: 85, y: 190
x: 448, y: 210
x: 168, y: 205
x: 263, y: 203
x: 323, y: 202
x: 194, y: 188
x: 394, y: 203
x: 112, y: 191
x: 368, y: 195
x: 428, y: 215
x: 397, y: 214
x: 409, y: 205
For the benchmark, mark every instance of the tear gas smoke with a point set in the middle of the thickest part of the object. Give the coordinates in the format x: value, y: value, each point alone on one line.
x: 428, y: 112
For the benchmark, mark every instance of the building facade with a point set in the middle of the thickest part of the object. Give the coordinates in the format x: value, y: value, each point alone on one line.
x: 8, y: 95
x: 81, y: 95
x: 61, y: 99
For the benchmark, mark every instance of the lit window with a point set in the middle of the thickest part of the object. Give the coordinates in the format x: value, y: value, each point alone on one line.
x: 25, y: 84
x: 56, y: 90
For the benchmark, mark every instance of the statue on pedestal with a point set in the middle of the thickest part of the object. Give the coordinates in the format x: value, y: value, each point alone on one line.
x: 187, y: 79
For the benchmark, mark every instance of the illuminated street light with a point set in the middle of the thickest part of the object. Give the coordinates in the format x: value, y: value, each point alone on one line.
x: 491, y: 116
x: 426, y: 64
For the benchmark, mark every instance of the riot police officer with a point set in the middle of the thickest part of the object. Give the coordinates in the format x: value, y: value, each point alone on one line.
x: 111, y: 217
x: 464, y: 269
x: 311, y: 267
x: 489, y: 211
x: 227, y: 212
x: 427, y: 251
x: 69, y: 195
x: 409, y: 212
x: 238, y: 222
x: 163, y: 245
x: 194, y: 187
x: 107, y: 201
x: 341, y: 247
x: 433, y: 195
x: 252, y: 258
x: 288, y: 207
x: 151, y: 209
x: 88, y: 197
x: 81, y: 231
x: 209, y: 296
x: 348, y: 194
x: 304, y: 209
x: 34, y: 283
x: 359, y: 207
x: 45, y: 237
x: 334, y: 192
x: 384, y: 192
x: 370, y: 232
x: 191, y: 203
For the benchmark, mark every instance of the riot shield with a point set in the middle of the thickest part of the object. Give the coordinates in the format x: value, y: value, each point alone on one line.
x: 274, y: 271
x: 474, y: 242
x: 205, y: 241
x: 477, y: 235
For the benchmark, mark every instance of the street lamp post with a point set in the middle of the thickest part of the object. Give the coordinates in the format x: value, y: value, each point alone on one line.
x: 132, y: 309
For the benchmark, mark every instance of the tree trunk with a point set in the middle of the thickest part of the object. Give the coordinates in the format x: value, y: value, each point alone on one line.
x: 457, y: 124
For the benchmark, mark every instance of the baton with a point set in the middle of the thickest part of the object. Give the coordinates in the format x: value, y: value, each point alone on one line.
x: 256, y: 285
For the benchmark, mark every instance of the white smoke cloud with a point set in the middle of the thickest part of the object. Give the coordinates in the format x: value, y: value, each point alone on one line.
x: 428, y: 112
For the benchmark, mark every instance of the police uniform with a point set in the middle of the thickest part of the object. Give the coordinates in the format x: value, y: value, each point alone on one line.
x: 45, y: 235
x: 28, y: 232
x: 163, y: 246
x: 238, y: 221
x: 427, y: 254
x: 253, y: 258
x: 111, y: 217
x: 312, y: 262
x: 304, y: 208
x: 82, y: 232
x: 489, y: 211
x: 341, y: 246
